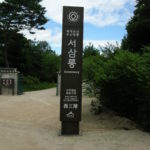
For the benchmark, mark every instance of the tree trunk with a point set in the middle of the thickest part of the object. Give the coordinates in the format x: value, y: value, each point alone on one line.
x: 6, y: 57
x: 5, y: 49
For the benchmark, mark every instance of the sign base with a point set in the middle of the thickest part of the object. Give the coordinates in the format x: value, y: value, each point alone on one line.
x: 70, y: 128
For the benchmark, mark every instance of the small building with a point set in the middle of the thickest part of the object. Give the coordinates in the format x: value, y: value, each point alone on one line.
x: 9, y: 81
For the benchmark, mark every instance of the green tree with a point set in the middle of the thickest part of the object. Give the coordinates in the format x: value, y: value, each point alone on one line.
x: 109, y: 50
x: 121, y: 83
x: 40, y: 62
x: 14, y: 49
x: 44, y: 46
x: 51, y: 65
x: 17, y: 15
x: 124, y: 43
x: 138, y: 28
x: 90, y: 50
x: 33, y: 59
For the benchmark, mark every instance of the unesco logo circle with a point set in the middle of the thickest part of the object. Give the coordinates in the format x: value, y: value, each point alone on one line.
x: 73, y: 16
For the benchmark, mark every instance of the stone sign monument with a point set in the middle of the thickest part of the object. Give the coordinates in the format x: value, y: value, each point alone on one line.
x: 71, y: 70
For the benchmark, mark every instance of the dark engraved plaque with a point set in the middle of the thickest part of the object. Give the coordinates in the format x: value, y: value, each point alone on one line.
x: 71, y: 69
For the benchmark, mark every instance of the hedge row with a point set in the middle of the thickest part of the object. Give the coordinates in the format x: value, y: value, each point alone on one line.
x: 122, y: 83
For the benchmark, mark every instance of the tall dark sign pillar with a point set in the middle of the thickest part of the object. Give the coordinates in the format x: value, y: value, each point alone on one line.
x: 71, y: 70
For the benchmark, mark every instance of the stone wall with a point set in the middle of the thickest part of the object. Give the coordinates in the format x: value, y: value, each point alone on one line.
x: 9, y: 73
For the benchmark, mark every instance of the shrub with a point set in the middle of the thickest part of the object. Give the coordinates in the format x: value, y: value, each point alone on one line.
x: 122, y: 83
x: 33, y: 84
x: 93, y: 73
x: 30, y: 80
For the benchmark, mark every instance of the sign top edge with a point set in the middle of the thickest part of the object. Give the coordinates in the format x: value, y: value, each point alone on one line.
x: 73, y: 7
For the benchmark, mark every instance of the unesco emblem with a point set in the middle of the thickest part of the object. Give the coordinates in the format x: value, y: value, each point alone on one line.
x: 73, y: 16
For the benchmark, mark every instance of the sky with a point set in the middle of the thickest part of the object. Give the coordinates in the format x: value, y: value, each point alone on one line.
x: 104, y: 21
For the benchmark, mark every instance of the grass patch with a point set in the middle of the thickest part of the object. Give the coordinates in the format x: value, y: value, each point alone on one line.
x: 38, y: 86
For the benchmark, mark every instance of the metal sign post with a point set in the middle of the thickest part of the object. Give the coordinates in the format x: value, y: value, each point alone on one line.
x: 71, y: 70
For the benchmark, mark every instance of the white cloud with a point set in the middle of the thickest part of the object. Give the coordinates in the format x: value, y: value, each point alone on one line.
x: 101, y: 43
x: 97, y: 12
x: 1, y: 1
x: 53, y: 37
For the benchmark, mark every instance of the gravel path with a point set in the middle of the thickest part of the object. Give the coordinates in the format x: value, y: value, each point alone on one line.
x: 31, y: 122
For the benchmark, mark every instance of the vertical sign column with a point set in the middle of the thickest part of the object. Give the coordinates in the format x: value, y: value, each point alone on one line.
x: 71, y: 70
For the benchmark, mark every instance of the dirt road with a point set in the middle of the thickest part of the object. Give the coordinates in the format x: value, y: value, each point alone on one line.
x: 31, y: 122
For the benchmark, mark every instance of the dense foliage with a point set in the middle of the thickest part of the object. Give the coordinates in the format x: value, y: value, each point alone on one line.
x: 40, y: 62
x: 121, y: 82
x: 32, y: 58
x: 31, y: 83
x: 138, y: 28
x: 90, y: 50
x: 17, y: 15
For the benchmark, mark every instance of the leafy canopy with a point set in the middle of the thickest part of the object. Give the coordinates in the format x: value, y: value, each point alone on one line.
x: 138, y: 28
x: 21, y: 14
